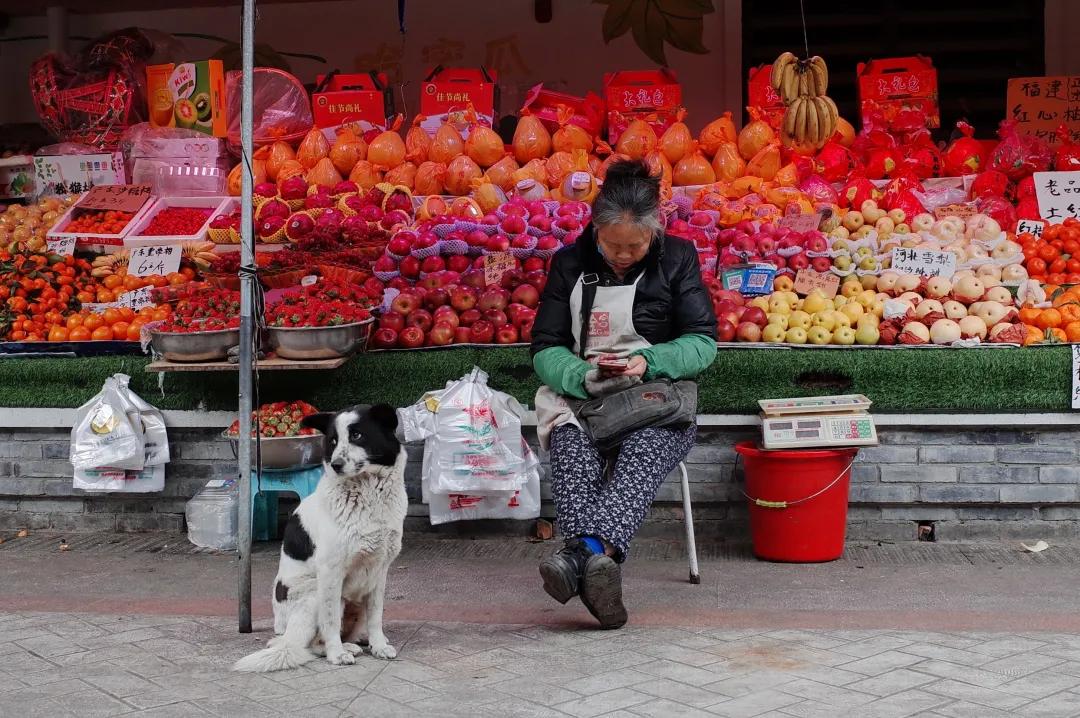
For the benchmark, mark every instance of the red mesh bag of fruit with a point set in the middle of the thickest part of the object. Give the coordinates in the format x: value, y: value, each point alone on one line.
x: 1019, y: 155
x: 1068, y: 152
x: 965, y: 155
x: 93, y: 97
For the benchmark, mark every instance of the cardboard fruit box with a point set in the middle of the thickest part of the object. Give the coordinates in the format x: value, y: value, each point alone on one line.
x: 895, y: 84
x: 588, y: 112
x: 652, y: 95
x: 447, y: 93
x: 362, y: 99
x: 190, y: 95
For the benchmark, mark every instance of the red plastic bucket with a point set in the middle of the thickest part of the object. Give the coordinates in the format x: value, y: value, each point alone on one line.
x: 798, y: 502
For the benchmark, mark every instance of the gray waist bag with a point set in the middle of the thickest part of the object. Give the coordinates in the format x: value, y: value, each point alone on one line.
x: 609, y: 419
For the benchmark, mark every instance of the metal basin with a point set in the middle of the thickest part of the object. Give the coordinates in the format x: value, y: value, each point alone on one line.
x: 318, y: 342
x: 195, y: 346
x: 286, y: 453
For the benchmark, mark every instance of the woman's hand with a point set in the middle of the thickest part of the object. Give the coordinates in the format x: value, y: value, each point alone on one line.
x: 636, y: 367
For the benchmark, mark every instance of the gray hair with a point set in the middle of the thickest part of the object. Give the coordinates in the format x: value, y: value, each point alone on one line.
x: 630, y: 194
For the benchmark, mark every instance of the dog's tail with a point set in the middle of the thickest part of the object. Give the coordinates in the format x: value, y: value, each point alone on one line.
x: 277, y: 656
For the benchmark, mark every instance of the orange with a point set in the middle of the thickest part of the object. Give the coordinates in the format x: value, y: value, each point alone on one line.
x: 58, y: 334
x: 1069, y: 312
x: 93, y: 321
x: 75, y: 320
x: 120, y: 330
x: 1072, y: 331
x: 126, y: 313
x: 112, y: 281
x: 79, y: 334
x: 131, y: 282
x: 1048, y: 318
x: 111, y: 316
x: 134, y: 331
x: 104, y: 296
x: 1034, y: 335
x: 102, y: 334
x: 1028, y: 315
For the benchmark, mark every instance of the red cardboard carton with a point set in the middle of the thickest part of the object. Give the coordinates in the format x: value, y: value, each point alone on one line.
x: 652, y: 95
x: 588, y: 111
x: 363, y: 99
x: 897, y: 84
x: 447, y: 93
x: 760, y: 94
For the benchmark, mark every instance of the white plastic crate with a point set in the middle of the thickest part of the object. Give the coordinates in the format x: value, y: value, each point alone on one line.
x: 214, y: 204
x: 104, y: 242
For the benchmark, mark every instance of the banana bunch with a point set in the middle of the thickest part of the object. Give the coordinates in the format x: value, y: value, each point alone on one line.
x: 200, y: 254
x: 811, y: 116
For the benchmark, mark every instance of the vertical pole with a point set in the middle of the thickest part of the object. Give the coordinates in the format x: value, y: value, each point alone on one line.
x: 247, y: 258
x: 56, y: 20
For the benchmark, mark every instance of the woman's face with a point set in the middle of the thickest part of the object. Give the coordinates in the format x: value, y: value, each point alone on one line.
x: 623, y: 244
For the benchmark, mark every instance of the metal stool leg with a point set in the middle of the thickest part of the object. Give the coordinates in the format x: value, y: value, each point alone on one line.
x: 691, y: 543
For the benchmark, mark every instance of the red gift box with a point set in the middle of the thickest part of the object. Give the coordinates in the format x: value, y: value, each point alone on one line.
x: 365, y: 99
x: 448, y: 92
x: 896, y: 84
x: 588, y: 111
x: 760, y: 94
x: 652, y: 95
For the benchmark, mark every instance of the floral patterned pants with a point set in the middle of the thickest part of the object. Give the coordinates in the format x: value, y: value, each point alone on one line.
x: 587, y: 505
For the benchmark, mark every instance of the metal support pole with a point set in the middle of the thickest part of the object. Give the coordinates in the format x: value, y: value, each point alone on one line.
x: 247, y: 286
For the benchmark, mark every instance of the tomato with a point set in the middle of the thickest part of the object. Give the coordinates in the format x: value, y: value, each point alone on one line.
x: 1048, y: 253
x: 18, y: 336
x: 58, y: 334
x: 1072, y: 278
x: 84, y: 297
x: 79, y: 334
x: 1056, y: 278
x: 102, y: 334
x: 1057, y: 266
x: 18, y: 304
x: 1036, y: 266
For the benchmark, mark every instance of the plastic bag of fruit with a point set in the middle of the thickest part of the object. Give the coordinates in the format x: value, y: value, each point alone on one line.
x: 449, y: 420
x: 965, y: 155
x: 108, y: 430
x: 521, y: 504
x: 1019, y: 155
x: 1067, y: 157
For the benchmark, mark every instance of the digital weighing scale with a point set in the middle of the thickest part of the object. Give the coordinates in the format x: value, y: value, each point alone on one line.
x: 817, y: 422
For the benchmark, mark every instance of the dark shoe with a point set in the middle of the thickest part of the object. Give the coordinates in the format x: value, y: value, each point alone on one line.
x: 562, y: 570
x: 601, y: 591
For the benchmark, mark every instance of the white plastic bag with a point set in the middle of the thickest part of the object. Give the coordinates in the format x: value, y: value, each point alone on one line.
x: 522, y: 504
x: 148, y: 480
x: 472, y: 437
x: 212, y: 513
x: 108, y: 431
x: 155, y: 437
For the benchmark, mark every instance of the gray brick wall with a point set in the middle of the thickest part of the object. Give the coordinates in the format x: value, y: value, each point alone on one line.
x: 989, y: 484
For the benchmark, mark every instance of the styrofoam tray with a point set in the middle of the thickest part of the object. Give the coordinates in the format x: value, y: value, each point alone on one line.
x: 98, y: 240
x: 214, y: 204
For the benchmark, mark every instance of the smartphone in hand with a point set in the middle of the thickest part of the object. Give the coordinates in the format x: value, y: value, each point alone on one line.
x: 612, y: 364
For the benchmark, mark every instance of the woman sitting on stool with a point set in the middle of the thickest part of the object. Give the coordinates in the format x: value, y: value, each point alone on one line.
x: 648, y: 306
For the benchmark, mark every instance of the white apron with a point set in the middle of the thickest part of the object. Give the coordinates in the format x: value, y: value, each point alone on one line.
x: 611, y: 331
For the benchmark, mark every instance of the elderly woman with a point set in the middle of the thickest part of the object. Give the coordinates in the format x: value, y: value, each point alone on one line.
x: 648, y: 306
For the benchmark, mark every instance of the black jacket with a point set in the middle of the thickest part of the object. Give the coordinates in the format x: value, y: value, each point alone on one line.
x: 670, y: 300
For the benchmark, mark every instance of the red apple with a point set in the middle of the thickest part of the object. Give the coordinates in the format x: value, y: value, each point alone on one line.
x: 392, y: 320
x: 462, y: 335
x: 511, y: 279
x: 798, y: 261
x: 498, y: 243
x: 533, y: 264
x: 547, y: 243
x: 411, y: 337
x: 374, y: 286
x: 401, y: 243
x: 475, y: 238
x: 474, y: 278
x: 497, y: 317
x: 537, y: 278
x: 755, y: 315
x: 447, y: 314
x: 458, y: 263
x: 482, y: 332
x: 507, y: 334
x: 816, y: 243
x: 405, y: 303
x: 725, y: 331
x: 436, y: 298
x: 470, y: 317
x: 748, y: 332
x: 420, y: 318
x: 385, y: 338
x: 463, y: 298
x: 525, y: 329
x: 494, y: 298
x: 398, y: 283
x: 431, y: 265
x: 441, y: 334
x: 385, y: 264
x: 540, y: 222
x: 525, y: 316
x: 526, y: 294
x: 821, y: 264
x: 409, y: 267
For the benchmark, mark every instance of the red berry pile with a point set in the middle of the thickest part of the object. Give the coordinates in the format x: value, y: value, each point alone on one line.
x: 324, y: 304
x: 279, y: 419
x: 176, y: 221
x: 208, y: 309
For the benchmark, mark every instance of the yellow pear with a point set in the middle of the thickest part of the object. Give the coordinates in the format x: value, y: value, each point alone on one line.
x: 852, y: 310
x: 815, y: 302
x: 851, y: 287
x: 778, y: 304
x: 825, y: 320
x: 761, y: 303
x: 779, y: 319
x: 800, y: 319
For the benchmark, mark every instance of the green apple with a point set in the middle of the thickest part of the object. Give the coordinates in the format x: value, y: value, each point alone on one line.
x: 868, y: 263
x: 842, y: 262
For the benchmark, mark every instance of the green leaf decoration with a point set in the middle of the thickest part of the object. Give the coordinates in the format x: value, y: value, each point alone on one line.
x: 679, y: 23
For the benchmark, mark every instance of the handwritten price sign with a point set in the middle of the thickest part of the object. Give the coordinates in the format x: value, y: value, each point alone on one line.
x: 496, y: 265
x: 1076, y: 376
x: 63, y: 247
x: 1058, y: 194
x: 137, y: 299
x: 154, y: 259
x: 807, y: 280
x: 801, y: 222
x: 119, y: 197
x: 1034, y: 227
x: 924, y: 263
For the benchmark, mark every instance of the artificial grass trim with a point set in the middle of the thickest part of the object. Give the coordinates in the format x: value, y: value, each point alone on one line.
x: 1019, y: 380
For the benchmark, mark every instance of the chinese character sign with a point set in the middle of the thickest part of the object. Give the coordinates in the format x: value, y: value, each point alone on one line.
x: 154, y: 259
x: 1058, y: 194
x: 924, y: 263
x: 118, y: 197
x: 1040, y: 104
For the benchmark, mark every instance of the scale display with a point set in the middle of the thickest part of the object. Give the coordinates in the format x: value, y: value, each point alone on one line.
x: 821, y: 430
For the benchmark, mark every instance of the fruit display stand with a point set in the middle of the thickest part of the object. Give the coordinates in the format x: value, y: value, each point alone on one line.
x: 97, y: 243
x: 215, y: 206
x: 270, y: 364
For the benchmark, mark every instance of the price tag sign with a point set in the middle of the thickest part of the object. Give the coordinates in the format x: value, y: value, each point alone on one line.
x: 64, y: 246
x: 963, y: 211
x: 801, y: 222
x: 1039, y: 105
x: 154, y: 259
x: 1058, y: 194
x: 1076, y: 376
x: 924, y: 262
x: 119, y: 197
x: 308, y: 280
x: 496, y: 265
x: 1034, y: 227
x: 807, y: 280
x: 136, y: 299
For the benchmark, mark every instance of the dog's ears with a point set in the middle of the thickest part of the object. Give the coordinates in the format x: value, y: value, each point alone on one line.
x: 385, y: 416
x: 320, y: 422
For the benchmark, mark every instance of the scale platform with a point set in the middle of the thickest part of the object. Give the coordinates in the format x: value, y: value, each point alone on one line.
x: 817, y: 422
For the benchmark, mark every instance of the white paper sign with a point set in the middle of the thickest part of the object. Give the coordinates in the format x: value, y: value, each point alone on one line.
x: 154, y: 259
x: 924, y: 262
x: 1058, y: 194
x: 136, y: 299
x: 64, y: 246
x: 1034, y: 227
x: 1076, y: 376
x: 74, y: 174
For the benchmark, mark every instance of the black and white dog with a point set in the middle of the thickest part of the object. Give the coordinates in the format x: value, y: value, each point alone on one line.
x: 338, y: 546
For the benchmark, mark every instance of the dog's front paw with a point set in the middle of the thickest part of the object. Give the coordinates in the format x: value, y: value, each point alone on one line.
x: 385, y: 651
x: 340, y: 657
x: 353, y: 648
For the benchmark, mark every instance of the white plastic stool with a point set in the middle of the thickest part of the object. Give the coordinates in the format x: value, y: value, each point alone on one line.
x: 688, y: 517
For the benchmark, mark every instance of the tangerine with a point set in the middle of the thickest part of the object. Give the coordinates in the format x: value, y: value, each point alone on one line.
x: 120, y: 330
x: 79, y: 334
x: 1048, y: 319
x: 58, y: 334
x: 93, y: 321
x: 1072, y: 332
x: 75, y: 320
x: 102, y: 334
